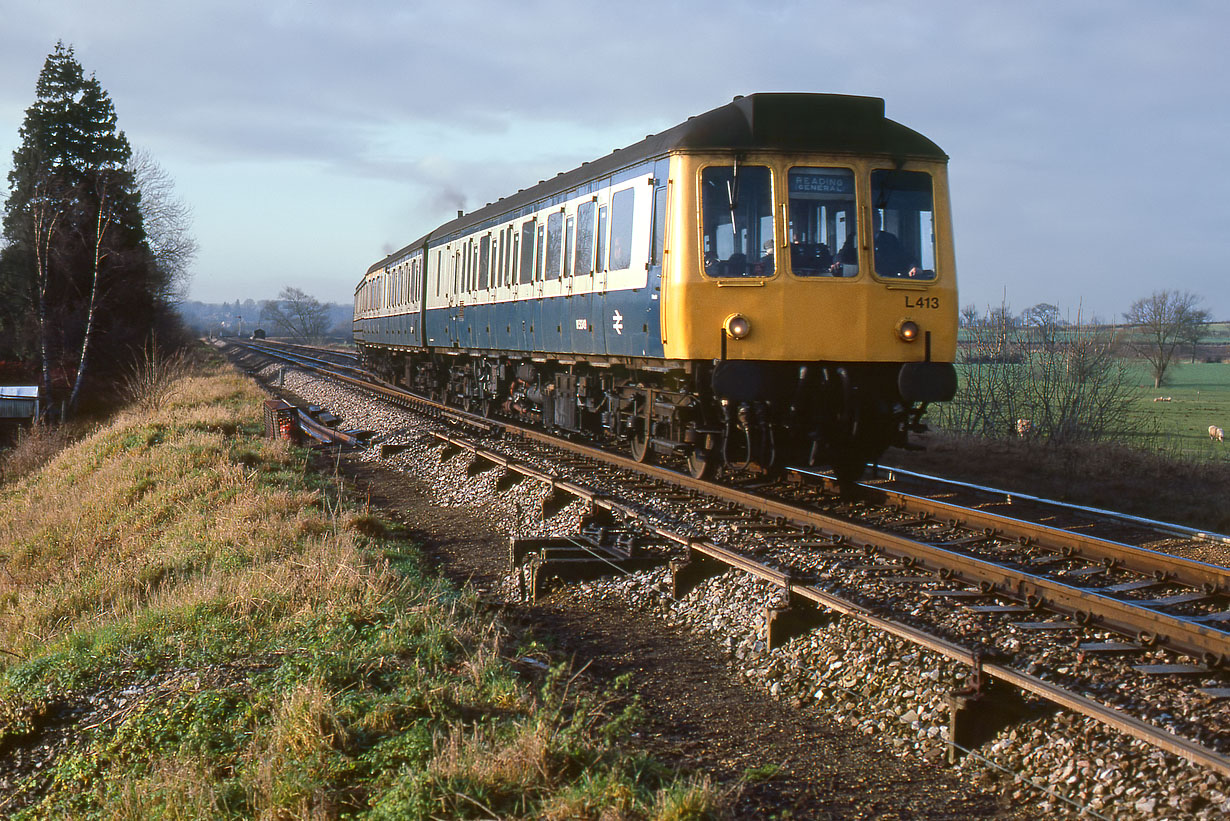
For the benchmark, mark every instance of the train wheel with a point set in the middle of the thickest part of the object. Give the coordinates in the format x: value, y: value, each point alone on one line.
x: 703, y: 457
x: 702, y: 463
x: 639, y: 444
x: 849, y: 472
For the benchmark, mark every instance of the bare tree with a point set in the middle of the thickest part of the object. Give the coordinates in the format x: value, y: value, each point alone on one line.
x: 1195, y: 332
x: 168, y: 220
x: 42, y: 232
x: 1076, y: 389
x: 1064, y: 378
x: 153, y: 374
x: 968, y: 317
x: 1041, y: 315
x: 1161, y: 322
x: 296, y: 314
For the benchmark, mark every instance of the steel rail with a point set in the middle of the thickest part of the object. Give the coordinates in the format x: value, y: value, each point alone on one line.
x: 1164, y: 566
x: 1121, y: 616
x: 792, y: 589
x: 1169, y: 528
x: 1150, y: 734
x: 1152, y: 626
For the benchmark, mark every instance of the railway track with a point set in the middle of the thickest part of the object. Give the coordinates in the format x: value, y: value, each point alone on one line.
x: 995, y: 593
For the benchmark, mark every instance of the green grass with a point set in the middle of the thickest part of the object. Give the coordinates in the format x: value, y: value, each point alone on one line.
x: 1200, y: 396
x: 263, y: 647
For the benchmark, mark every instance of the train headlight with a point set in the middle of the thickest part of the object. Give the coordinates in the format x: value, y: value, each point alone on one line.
x: 737, y: 326
x: 908, y: 331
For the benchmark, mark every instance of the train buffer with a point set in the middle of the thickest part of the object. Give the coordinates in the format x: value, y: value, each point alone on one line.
x: 594, y: 552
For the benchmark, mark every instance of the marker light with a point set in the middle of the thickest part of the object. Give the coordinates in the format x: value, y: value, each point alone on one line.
x: 908, y: 331
x: 737, y: 326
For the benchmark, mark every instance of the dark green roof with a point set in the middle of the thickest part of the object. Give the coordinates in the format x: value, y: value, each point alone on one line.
x: 826, y: 123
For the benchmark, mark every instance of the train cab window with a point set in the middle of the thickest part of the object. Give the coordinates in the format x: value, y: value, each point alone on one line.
x: 555, y: 244
x: 823, y: 222
x: 585, y: 238
x: 600, y: 259
x: 527, y: 252
x: 903, y: 224
x: 737, y: 220
x: 623, y: 210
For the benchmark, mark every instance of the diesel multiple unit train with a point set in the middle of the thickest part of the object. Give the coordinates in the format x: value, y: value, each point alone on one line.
x: 768, y: 283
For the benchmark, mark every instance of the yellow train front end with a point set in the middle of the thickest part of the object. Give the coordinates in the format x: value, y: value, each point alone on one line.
x: 795, y: 255
x: 822, y: 286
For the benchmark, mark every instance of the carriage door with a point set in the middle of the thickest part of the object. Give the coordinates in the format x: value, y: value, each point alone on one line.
x: 597, y: 302
x: 657, y: 244
x: 454, y: 299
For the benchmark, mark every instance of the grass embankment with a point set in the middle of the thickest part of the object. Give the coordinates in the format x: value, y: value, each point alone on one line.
x: 245, y: 643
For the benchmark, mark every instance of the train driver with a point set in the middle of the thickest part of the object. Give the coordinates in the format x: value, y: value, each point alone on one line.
x: 891, y: 257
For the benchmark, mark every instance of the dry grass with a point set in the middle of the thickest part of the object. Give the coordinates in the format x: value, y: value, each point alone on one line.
x: 35, y: 447
x: 292, y: 657
x: 1158, y: 482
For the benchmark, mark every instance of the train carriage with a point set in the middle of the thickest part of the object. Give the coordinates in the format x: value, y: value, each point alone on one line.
x: 772, y: 281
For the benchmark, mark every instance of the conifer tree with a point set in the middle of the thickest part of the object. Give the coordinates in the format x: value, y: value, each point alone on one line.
x: 77, y: 278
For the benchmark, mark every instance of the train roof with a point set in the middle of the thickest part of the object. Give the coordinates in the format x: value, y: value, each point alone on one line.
x: 829, y: 123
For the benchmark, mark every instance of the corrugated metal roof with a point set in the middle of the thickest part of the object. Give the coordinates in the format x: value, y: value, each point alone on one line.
x: 18, y: 391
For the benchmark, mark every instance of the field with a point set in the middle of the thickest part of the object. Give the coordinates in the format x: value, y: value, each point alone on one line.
x: 1169, y: 470
x: 1199, y: 396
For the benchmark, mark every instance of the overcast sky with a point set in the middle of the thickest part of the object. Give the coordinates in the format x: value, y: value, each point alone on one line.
x: 1088, y: 139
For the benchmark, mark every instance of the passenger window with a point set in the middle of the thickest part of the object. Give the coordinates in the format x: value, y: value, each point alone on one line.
x: 555, y: 242
x: 585, y: 238
x: 623, y: 209
x: 570, y: 234
x: 542, y: 251
x: 903, y: 224
x: 511, y: 275
x: 527, y: 252
x: 484, y: 258
x: 737, y: 237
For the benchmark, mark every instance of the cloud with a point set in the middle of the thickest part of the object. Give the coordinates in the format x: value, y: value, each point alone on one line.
x: 1085, y: 137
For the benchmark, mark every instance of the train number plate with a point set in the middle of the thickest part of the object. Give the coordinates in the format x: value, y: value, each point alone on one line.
x: 922, y: 301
